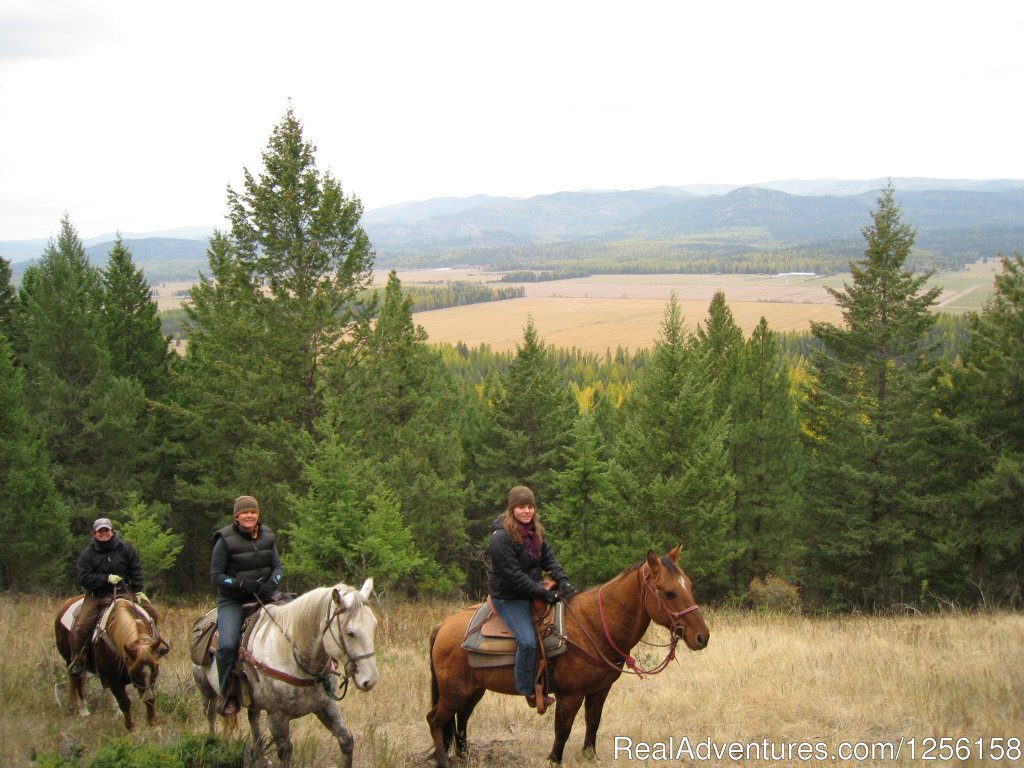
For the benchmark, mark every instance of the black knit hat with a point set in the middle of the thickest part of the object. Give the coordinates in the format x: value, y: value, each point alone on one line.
x: 519, y: 496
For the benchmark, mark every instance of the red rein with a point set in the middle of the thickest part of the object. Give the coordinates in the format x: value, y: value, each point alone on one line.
x: 629, y: 660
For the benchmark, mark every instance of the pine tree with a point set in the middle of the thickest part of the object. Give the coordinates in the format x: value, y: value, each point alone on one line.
x: 861, y: 522
x: 594, y: 539
x: 92, y: 422
x: 674, y: 469
x: 986, y: 408
x: 767, y: 461
x: 528, y: 427
x: 131, y: 324
x: 280, y: 306
x: 32, y: 514
x: 8, y: 300
x: 401, y: 409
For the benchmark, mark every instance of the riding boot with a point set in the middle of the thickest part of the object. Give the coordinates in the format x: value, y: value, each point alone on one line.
x: 226, y: 658
x: 76, y: 663
x: 78, y: 654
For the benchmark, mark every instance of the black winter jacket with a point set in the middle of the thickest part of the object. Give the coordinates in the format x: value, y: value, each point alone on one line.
x: 515, y: 574
x: 99, y: 559
x: 237, y: 557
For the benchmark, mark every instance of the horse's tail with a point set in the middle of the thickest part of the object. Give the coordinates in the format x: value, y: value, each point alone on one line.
x: 435, y: 693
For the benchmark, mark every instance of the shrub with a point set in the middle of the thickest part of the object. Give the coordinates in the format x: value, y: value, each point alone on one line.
x: 773, y: 595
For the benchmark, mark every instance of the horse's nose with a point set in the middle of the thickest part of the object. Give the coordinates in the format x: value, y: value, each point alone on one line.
x: 702, y: 641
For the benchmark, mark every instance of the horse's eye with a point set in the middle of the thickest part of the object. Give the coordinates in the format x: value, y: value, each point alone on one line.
x: 350, y: 633
x: 670, y: 595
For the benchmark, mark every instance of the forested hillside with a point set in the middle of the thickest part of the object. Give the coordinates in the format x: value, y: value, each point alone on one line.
x: 872, y: 464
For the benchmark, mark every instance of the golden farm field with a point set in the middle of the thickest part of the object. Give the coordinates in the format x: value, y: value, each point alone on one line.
x: 604, y: 312
x: 852, y: 689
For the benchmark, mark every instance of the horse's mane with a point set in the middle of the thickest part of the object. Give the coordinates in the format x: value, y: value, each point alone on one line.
x: 666, y: 561
x: 301, y: 617
x: 126, y: 629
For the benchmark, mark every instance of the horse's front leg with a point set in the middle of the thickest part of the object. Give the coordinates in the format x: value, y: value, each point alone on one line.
x: 280, y: 731
x: 592, y: 715
x: 565, y: 714
x: 330, y: 716
x: 77, y: 689
x: 123, y: 702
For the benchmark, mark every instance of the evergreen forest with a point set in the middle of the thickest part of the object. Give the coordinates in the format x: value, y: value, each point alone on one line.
x: 872, y: 465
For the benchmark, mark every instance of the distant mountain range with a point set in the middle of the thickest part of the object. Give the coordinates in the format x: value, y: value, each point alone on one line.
x: 982, y: 216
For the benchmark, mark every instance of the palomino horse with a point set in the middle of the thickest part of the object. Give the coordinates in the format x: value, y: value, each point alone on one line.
x: 289, y: 657
x: 129, y: 655
x: 602, y: 626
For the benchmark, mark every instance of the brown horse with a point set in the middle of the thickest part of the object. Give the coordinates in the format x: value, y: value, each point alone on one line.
x: 131, y: 657
x: 602, y: 626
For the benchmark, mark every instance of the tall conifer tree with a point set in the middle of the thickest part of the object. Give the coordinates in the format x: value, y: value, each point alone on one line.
x: 280, y: 306
x: 34, y: 518
x: 131, y: 323
x: 90, y: 420
x: 861, y: 521
x: 675, y: 474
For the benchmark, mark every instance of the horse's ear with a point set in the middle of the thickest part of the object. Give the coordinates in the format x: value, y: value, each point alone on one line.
x: 339, y: 601
x: 653, y: 562
x: 673, y: 555
x: 367, y: 589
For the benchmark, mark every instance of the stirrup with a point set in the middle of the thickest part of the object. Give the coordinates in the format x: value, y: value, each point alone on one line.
x: 539, y: 700
x: 77, y: 666
x: 228, y: 706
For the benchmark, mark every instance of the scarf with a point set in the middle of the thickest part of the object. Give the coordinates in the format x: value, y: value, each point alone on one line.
x: 530, y: 540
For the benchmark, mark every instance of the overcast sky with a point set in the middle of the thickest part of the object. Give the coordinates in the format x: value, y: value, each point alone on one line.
x: 136, y: 116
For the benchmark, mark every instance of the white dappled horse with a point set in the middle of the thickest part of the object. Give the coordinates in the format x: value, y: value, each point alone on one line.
x: 292, y: 657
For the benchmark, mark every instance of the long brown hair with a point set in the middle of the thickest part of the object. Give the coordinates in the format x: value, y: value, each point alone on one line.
x: 510, y: 524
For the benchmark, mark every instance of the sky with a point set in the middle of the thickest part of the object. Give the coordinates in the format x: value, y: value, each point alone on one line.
x: 137, y: 116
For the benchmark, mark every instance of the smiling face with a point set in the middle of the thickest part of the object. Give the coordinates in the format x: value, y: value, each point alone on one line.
x: 524, y: 513
x: 247, y: 519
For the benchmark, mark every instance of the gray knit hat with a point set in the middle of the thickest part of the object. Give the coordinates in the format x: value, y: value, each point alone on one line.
x: 519, y: 496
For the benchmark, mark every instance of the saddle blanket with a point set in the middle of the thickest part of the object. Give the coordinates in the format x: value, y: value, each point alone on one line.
x: 490, y: 642
x: 68, y: 618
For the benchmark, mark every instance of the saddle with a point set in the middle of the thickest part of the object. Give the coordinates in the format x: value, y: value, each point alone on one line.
x: 203, y: 637
x: 490, y: 643
x: 100, y: 630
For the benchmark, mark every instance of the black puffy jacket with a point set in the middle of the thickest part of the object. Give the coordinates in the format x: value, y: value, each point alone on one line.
x: 99, y: 559
x: 237, y: 556
x: 515, y: 573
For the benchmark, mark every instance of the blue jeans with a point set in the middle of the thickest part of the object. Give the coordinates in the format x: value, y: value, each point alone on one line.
x: 518, y: 614
x: 229, y: 627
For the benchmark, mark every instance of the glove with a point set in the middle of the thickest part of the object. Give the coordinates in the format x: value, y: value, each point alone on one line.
x: 247, y: 585
x: 114, y: 579
x: 549, y: 595
x: 566, y: 592
x: 141, y: 597
x: 266, y: 591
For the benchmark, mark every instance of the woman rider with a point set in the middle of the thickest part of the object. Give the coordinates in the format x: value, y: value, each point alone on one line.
x: 244, y: 565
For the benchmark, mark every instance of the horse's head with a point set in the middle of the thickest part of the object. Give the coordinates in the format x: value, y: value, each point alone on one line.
x: 670, y: 601
x: 350, y: 634
x: 132, y: 636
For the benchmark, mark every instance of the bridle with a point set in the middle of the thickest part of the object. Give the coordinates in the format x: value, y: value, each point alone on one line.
x: 676, y: 629
x: 323, y: 676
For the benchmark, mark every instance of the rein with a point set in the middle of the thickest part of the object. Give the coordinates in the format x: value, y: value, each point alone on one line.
x: 324, y: 675
x: 628, y: 660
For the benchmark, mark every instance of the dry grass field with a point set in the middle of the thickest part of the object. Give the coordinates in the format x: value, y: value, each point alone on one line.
x: 766, y: 685
x: 604, y: 312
